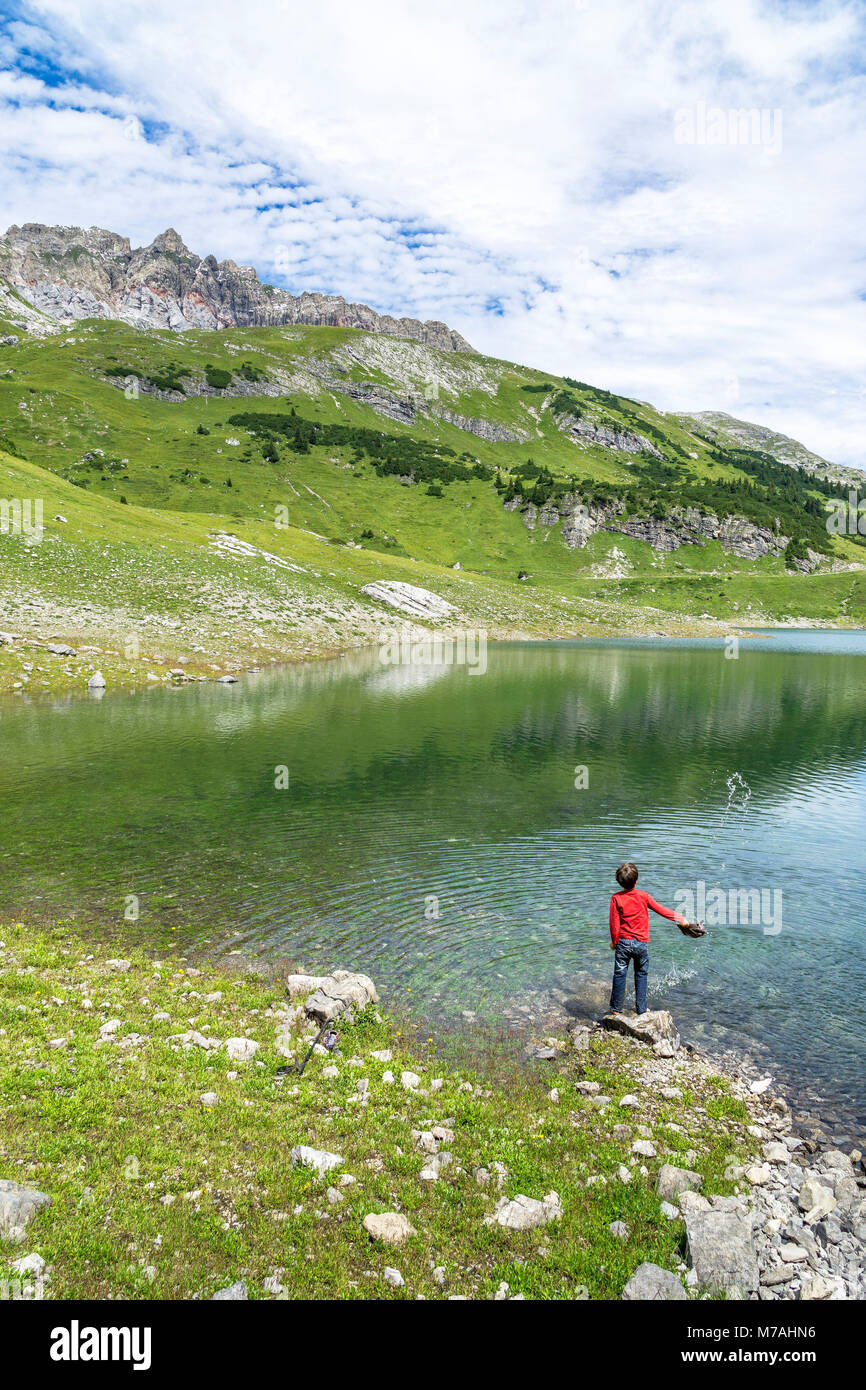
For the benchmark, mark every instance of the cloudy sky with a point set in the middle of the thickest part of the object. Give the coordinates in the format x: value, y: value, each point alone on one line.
x: 560, y: 180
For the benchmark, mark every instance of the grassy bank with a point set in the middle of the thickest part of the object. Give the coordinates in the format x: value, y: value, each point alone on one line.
x: 156, y: 1193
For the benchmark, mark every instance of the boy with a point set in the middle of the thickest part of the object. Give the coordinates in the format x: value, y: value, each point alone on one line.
x: 629, y: 936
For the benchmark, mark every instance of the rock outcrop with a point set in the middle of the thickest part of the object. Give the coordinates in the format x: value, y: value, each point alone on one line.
x: 681, y: 526
x: 77, y: 272
x: 585, y: 431
x: 409, y: 598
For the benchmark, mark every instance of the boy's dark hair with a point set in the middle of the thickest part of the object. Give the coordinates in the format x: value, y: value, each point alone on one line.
x: 626, y: 875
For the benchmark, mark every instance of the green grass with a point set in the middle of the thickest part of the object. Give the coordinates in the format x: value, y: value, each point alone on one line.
x: 110, y: 1131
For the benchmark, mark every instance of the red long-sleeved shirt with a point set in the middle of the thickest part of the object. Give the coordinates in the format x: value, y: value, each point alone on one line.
x: 629, y: 917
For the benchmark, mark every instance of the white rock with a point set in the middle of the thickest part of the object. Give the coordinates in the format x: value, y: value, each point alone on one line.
x: 776, y: 1153
x: 393, y: 1277
x: 391, y: 1227
x: 410, y: 1080
x: 241, y: 1049
x: 209, y: 1098
x: 409, y: 598
x: 523, y: 1213
x: 757, y: 1176
x: 303, y: 1156
x: 816, y: 1201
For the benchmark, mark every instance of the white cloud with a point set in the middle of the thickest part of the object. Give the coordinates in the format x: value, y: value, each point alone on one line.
x: 512, y: 168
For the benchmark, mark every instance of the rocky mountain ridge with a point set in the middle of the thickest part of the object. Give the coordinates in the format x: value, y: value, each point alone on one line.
x: 72, y: 273
x: 724, y: 429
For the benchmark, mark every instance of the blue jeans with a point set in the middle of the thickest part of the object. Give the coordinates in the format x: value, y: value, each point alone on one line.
x: 626, y: 951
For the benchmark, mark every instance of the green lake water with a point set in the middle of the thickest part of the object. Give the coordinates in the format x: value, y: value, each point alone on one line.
x: 432, y: 834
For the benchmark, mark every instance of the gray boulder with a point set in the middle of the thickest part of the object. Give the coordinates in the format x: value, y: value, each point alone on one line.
x: 18, y: 1206
x: 721, y: 1251
x: 651, y: 1283
x: 235, y: 1293
x: 343, y: 991
x: 656, y: 1028
x: 672, y: 1181
x: 524, y: 1213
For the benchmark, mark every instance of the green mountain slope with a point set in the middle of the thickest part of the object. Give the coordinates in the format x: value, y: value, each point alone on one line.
x: 530, y: 503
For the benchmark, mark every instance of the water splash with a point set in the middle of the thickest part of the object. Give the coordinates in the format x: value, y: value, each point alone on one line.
x: 677, y: 975
x: 739, y: 798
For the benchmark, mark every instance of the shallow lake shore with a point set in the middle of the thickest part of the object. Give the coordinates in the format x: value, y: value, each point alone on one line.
x: 142, y: 1097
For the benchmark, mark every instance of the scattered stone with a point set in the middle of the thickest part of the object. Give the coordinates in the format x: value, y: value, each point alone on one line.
x: 303, y: 1156
x: 815, y: 1288
x: 671, y: 1213
x: 209, y: 1098
x: 816, y: 1201
x: 394, y: 1277
x: 194, y: 1039
x: 384, y: 1056
x: 96, y: 682
x: 672, y: 1181
x: 391, y: 1227
x: 410, y: 1080
x: 775, y: 1152
x: 757, y: 1176
x: 722, y: 1252
x: 619, y: 1229
x: 644, y: 1147
x: 241, y: 1049
x: 29, y: 1264
x: 235, y: 1293
x: 524, y: 1213
x: 651, y: 1283
x: 792, y: 1254
x: 18, y: 1206
x: 692, y: 1201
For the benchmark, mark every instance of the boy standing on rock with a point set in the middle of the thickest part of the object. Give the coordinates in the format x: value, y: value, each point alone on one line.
x: 629, y: 935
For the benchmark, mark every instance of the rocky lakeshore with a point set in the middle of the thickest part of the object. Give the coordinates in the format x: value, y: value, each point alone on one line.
x: 160, y: 1141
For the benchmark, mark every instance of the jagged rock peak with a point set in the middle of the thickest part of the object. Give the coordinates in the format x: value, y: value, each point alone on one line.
x: 87, y: 272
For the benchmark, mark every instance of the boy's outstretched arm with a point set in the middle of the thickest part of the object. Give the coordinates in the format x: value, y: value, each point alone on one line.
x: 664, y: 911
